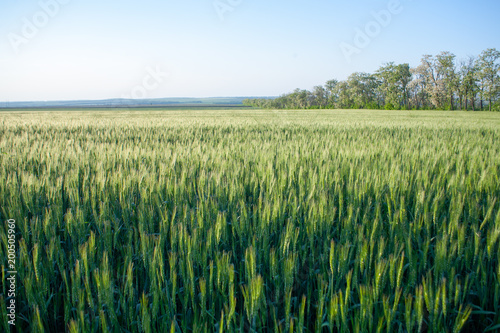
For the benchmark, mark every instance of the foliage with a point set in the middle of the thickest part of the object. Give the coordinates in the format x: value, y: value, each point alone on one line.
x: 315, y: 221
x: 437, y: 83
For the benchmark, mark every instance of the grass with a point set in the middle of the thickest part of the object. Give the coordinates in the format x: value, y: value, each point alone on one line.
x: 249, y: 220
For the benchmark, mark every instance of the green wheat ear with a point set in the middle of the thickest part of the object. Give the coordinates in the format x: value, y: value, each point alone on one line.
x: 175, y: 223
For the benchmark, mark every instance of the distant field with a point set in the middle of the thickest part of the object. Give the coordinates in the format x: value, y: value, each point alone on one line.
x: 252, y: 220
x: 149, y: 107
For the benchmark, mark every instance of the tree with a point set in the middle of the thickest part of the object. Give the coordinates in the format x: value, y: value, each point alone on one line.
x: 420, y: 86
x: 320, y: 96
x: 445, y: 67
x: 362, y: 88
x: 468, y: 87
x: 393, y: 84
x: 344, y: 100
x: 437, y: 83
x: 441, y: 79
x: 488, y: 72
x: 330, y: 90
x: 403, y: 79
x: 300, y: 98
x: 435, y: 88
x: 387, y: 85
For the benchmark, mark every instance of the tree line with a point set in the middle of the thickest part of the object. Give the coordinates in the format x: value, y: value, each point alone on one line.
x: 439, y: 82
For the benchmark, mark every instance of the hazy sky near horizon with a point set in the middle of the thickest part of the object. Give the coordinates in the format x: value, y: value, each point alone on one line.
x: 76, y: 49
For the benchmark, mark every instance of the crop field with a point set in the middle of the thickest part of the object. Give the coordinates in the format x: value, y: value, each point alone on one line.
x: 251, y: 220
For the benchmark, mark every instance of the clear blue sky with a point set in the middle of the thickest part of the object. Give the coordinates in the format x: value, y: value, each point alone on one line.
x: 89, y: 49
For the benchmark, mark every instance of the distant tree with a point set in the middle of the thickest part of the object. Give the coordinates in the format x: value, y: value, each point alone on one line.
x: 488, y: 72
x: 435, y: 88
x: 330, y: 90
x: 420, y: 86
x: 344, y: 100
x: 393, y: 84
x: 438, y: 82
x: 281, y: 102
x: 362, y: 89
x: 460, y: 85
x: 440, y: 78
x: 404, y: 77
x: 320, y: 96
x: 468, y: 85
x: 300, y: 99
x: 445, y: 68
x: 387, y: 84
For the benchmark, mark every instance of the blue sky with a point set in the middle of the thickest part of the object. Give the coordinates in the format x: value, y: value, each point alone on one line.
x: 89, y: 49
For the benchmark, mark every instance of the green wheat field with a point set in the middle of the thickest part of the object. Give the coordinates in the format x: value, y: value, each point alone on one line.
x: 252, y: 220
